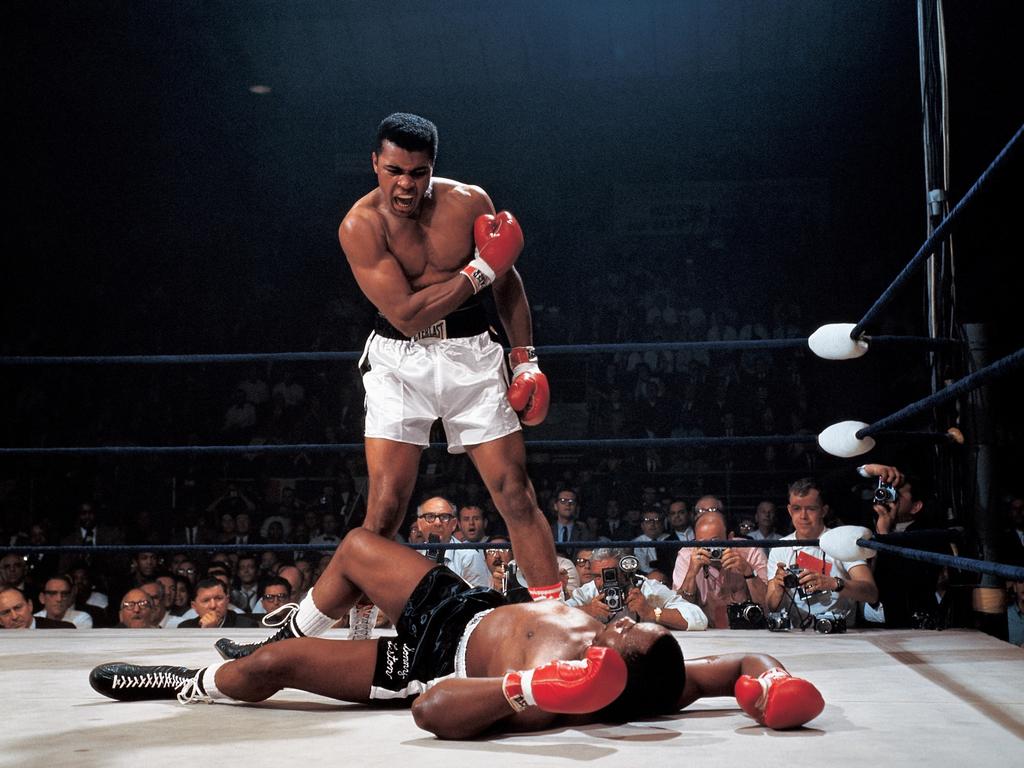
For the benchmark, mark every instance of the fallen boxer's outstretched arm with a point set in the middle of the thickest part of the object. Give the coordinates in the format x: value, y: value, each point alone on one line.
x: 522, y: 701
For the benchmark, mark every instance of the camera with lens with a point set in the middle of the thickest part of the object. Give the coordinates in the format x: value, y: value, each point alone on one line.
x: 792, y: 578
x: 830, y: 624
x: 778, y: 621
x: 884, y: 493
x: 715, y: 555
x: 745, y: 615
x: 615, y: 589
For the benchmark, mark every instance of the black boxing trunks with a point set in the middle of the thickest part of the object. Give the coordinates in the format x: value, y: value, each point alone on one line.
x: 429, y: 630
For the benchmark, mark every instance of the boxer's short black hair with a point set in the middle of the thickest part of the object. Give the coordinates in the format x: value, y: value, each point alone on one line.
x: 410, y: 132
x: 655, y: 683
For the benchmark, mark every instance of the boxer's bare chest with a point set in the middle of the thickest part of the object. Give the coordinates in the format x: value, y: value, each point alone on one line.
x: 434, y: 246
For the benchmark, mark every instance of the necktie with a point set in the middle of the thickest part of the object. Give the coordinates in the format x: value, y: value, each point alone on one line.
x: 564, y: 535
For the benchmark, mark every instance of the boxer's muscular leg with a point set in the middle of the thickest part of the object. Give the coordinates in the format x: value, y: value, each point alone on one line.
x: 392, y: 468
x: 502, y: 466
x: 385, y: 571
x: 325, y: 667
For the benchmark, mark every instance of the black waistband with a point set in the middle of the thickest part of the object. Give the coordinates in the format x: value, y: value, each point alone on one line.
x: 468, y: 320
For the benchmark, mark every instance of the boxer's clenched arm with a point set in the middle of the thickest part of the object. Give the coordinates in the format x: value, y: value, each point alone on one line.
x: 461, y: 708
x: 382, y: 280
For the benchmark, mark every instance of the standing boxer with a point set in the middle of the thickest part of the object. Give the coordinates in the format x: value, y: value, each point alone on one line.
x: 410, y: 245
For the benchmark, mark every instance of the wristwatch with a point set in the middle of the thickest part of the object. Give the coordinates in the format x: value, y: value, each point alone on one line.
x: 840, y: 584
x: 657, y: 615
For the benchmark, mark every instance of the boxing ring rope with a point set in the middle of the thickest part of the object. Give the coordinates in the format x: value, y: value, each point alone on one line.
x: 881, y: 543
x: 952, y: 436
x: 937, y: 235
x: 555, y: 349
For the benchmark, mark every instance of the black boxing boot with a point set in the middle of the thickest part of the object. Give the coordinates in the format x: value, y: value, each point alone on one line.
x: 283, y: 617
x: 131, y: 682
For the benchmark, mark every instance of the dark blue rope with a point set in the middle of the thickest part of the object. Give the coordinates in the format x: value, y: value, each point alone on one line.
x: 1010, y: 572
x: 539, y: 445
x: 561, y: 349
x: 649, y: 442
x: 940, y: 232
x: 629, y: 544
x: 966, y: 384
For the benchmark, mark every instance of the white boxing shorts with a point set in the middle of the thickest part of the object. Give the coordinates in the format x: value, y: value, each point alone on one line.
x: 411, y: 384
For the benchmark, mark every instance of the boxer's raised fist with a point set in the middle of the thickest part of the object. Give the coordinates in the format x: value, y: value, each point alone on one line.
x: 569, y: 687
x: 499, y: 241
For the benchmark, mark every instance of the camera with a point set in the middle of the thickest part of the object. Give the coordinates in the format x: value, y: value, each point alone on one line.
x: 715, y: 555
x: 614, y: 591
x: 792, y: 578
x: 830, y: 624
x: 778, y: 621
x: 884, y: 493
x: 745, y: 615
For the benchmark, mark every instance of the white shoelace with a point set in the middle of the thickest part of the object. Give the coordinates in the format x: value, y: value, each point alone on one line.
x: 149, y: 680
x: 191, y: 692
x: 280, y: 615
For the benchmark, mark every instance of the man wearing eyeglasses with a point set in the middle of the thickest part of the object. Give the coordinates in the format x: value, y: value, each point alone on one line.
x: 57, y: 598
x: 566, y: 527
x: 136, y: 611
x: 16, y: 613
x: 652, y: 523
x: 274, y: 593
x: 438, y: 517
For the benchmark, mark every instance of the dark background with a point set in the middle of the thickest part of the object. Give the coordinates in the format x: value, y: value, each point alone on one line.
x: 747, y: 151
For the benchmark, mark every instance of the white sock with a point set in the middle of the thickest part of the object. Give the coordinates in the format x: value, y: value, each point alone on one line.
x: 208, y: 684
x: 309, y: 620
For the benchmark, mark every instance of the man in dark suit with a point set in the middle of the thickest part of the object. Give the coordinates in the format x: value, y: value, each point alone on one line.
x: 16, y: 613
x: 566, y: 527
x: 210, y: 602
x: 89, y: 533
x: 192, y: 530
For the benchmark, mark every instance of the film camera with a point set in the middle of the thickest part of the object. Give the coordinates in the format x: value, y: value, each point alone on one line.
x: 830, y: 624
x: 745, y: 615
x: 778, y: 621
x: 615, y: 589
x: 884, y: 493
x: 715, y: 555
x: 792, y: 578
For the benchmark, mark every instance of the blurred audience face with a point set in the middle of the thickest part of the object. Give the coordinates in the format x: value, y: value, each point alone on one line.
x: 436, y: 518
x: 247, y: 570
x: 136, y: 611
x: 187, y: 570
x: 155, y: 591
x: 584, y: 565
x: 167, y: 582
x: 211, y: 600
x: 472, y: 523
x: 274, y: 596
x: 57, y: 596
x: 15, y: 610
x: 12, y: 570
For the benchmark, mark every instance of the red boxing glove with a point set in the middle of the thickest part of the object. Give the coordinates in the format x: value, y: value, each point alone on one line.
x: 529, y: 392
x: 499, y: 241
x: 569, y: 687
x: 777, y: 699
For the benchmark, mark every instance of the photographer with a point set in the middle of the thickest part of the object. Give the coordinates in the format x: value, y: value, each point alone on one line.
x: 907, y: 590
x: 822, y: 585
x: 615, y: 593
x: 713, y: 583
